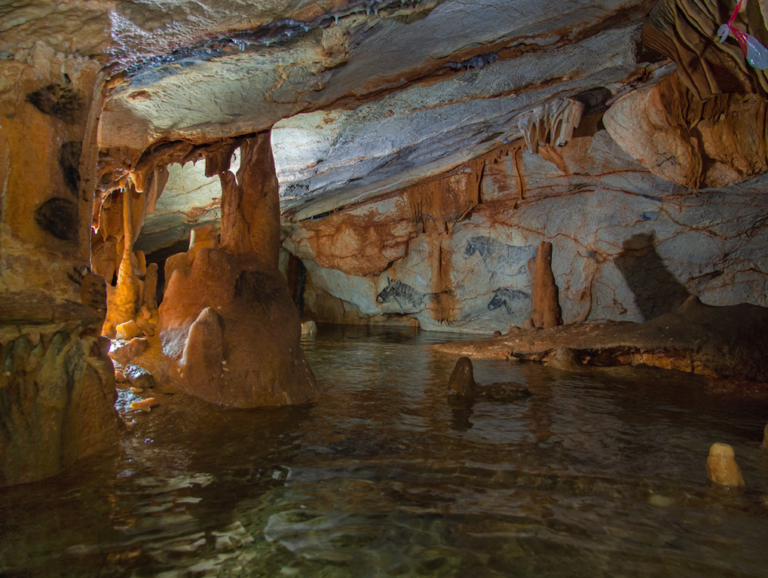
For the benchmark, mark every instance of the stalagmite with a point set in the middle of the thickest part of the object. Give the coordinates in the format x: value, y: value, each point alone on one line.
x: 722, y: 468
x: 227, y: 321
x: 545, y: 303
x: 123, y: 300
x: 203, y: 237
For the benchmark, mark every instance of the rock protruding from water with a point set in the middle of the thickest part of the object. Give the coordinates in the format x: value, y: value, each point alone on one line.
x: 566, y: 359
x: 462, y: 385
x: 717, y: 342
x: 722, y: 468
x: 227, y: 322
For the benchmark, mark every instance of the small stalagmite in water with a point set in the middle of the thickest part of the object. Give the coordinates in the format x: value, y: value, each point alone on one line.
x: 722, y: 468
x: 462, y: 386
x: 765, y: 438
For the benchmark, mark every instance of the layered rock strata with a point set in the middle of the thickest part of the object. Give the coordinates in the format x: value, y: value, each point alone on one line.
x: 57, y: 384
x: 227, y: 322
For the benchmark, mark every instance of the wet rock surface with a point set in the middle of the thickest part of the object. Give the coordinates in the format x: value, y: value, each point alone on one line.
x: 720, y: 342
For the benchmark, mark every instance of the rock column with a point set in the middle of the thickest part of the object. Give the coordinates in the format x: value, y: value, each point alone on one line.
x: 57, y: 384
x: 545, y: 302
x: 227, y: 321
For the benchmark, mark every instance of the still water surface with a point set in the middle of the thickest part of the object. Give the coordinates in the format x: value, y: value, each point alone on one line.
x: 597, y: 474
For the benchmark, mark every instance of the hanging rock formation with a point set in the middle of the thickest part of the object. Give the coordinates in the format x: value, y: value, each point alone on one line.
x: 57, y: 384
x: 227, y: 321
x: 552, y: 124
x: 699, y: 144
x: 686, y: 31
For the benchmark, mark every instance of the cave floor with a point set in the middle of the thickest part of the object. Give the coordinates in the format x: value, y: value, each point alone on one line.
x: 598, y: 474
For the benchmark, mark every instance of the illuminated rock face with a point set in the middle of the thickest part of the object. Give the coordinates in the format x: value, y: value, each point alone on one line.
x: 227, y: 321
x: 627, y: 245
x: 57, y: 386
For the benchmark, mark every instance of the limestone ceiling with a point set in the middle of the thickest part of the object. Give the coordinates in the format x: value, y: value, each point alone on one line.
x: 366, y: 96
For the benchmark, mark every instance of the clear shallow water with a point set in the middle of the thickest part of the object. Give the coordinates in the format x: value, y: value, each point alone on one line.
x: 595, y: 475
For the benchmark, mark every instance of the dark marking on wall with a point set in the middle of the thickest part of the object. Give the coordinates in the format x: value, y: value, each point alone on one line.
x: 507, y: 298
x: 69, y: 160
x: 257, y: 287
x: 479, y: 61
x: 59, y: 218
x: 495, y: 253
x: 59, y: 101
x: 75, y: 276
x: 404, y: 295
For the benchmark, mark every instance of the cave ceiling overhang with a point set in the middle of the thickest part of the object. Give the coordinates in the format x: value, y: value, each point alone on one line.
x: 365, y: 96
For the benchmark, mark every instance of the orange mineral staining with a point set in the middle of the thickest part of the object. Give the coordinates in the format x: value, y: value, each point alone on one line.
x: 145, y: 404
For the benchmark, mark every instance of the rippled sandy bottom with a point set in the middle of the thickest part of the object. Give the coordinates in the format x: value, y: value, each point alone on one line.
x: 600, y: 474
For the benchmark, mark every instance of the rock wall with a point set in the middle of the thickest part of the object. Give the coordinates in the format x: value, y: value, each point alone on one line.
x: 627, y: 245
x: 57, y: 384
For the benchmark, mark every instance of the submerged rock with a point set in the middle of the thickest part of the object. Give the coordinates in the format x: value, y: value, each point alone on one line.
x: 722, y: 468
x: 462, y: 385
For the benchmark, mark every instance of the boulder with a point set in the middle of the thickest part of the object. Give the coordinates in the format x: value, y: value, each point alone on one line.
x: 139, y: 377
x: 123, y: 352
x: 128, y: 330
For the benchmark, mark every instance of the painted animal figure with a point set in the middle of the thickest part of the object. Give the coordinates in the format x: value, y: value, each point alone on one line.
x: 480, y: 61
x: 408, y: 298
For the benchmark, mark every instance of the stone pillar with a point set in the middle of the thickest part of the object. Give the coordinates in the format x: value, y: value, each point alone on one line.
x: 124, y: 299
x: 227, y: 321
x: 545, y: 302
x: 57, y: 387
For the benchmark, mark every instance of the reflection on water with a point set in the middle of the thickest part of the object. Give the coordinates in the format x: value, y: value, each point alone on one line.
x: 595, y: 475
